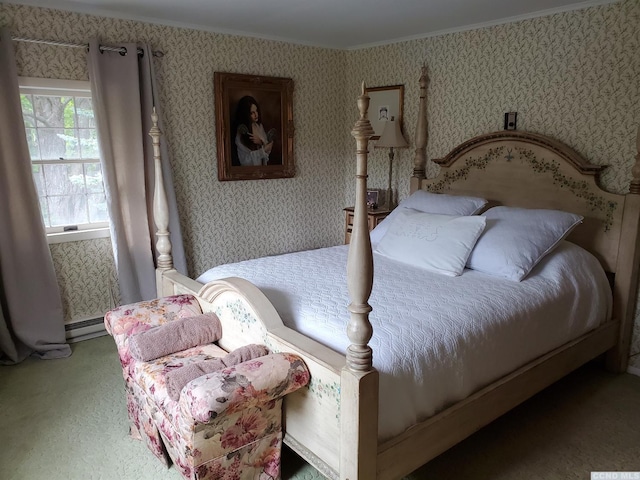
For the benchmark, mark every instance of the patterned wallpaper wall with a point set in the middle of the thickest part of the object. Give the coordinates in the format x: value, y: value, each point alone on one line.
x: 86, y: 277
x: 572, y: 75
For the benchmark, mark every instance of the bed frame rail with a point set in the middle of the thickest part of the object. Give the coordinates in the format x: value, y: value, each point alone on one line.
x: 427, y: 440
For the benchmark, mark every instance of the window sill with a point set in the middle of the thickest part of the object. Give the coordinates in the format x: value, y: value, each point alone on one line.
x: 78, y: 235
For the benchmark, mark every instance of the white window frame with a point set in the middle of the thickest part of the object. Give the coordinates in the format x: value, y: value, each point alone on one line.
x: 75, y: 88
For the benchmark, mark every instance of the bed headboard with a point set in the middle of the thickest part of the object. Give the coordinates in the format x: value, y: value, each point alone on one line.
x: 529, y: 170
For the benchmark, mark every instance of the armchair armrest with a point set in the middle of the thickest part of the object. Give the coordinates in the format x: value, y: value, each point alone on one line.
x: 245, y: 385
x: 123, y: 321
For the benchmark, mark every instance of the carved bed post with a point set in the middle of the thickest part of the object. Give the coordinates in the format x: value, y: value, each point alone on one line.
x: 626, y: 283
x: 160, y: 209
x: 420, y: 159
x: 359, y: 380
x: 360, y: 262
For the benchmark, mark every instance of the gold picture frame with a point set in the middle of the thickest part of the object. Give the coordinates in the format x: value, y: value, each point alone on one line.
x: 384, y: 103
x: 248, y: 149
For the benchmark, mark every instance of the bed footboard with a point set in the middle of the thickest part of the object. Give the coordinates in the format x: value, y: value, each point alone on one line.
x: 312, y: 414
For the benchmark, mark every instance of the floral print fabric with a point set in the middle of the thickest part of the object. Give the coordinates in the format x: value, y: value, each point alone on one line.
x: 247, y: 384
x: 227, y: 424
x: 126, y: 320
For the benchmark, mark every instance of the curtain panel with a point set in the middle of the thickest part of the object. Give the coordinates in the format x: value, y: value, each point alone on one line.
x: 124, y: 94
x: 31, y: 316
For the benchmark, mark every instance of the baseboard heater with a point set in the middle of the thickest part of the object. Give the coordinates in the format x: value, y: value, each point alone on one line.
x: 84, y: 329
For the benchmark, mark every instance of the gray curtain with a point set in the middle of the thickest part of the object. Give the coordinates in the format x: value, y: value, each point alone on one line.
x: 124, y: 92
x: 31, y: 318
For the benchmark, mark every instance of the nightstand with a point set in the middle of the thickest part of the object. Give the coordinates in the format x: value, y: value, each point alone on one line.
x: 374, y: 217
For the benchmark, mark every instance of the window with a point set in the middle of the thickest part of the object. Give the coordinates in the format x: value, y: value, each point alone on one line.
x: 63, y: 144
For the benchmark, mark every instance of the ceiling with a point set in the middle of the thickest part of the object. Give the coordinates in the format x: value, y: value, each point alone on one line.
x: 340, y: 24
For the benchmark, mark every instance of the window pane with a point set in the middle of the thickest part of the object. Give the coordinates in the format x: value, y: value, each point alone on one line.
x: 56, y: 143
x: 68, y: 210
x: 27, y: 110
x: 72, y: 143
x: 98, y: 208
x: 44, y: 209
x: 52, y: 146
x: 89, y: 143
x: 69, y: 114
x: 32, y: 141
x: 84, y: 110
x: 38, y: 179
x: 64, y: 179
x: 93, y: 173
x: 50, y: 111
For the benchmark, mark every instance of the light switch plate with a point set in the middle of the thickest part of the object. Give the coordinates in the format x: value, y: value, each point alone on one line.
x: 510, y: 120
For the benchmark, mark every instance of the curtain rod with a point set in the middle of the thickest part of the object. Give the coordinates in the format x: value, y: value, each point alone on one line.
x: 103, y: 48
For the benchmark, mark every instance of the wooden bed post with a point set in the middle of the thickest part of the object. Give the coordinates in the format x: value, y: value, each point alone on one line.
x: 359, y: 380
x: 626, y: 281
x: 420, y: 159
x: 160, y: 209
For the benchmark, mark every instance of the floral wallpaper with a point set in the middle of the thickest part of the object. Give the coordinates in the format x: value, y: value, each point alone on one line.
x: 571, y: 75
x: 86, y: 277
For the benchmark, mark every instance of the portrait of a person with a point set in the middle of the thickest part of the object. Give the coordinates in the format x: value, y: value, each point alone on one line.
x: 383, y: 113
x: 253, y: 144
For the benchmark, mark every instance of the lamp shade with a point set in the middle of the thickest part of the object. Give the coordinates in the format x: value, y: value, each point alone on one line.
x: 391, y: 136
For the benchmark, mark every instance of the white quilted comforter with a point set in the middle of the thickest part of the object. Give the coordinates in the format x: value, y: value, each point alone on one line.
x: 437, y: 339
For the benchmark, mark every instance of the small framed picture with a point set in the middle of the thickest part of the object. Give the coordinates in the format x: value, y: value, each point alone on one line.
x: 384, y: 103
x: 373, y: 197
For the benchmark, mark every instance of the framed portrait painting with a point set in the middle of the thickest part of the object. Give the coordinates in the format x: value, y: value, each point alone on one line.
x: 254, y: 126
x: 384, y: 103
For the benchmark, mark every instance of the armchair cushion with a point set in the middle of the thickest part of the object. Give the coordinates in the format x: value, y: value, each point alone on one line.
x: 152, y: 375
x: 178, y: 378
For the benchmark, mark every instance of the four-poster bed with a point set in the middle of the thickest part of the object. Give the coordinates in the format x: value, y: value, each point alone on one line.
x: 334, y: 423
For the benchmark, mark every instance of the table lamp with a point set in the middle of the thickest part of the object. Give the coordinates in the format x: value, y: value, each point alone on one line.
x: 391, y: 138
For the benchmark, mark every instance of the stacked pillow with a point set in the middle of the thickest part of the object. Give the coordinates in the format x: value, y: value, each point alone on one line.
x: 442, y: 233
x: 431, y: 230
x: 438, y: 243
x: 516, y: 239
x: 437, y: 203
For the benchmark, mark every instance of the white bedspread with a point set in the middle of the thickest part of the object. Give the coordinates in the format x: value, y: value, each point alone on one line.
x: 436, y: 339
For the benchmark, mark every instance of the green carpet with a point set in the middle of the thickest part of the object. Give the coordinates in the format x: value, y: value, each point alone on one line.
x: 66, y: 419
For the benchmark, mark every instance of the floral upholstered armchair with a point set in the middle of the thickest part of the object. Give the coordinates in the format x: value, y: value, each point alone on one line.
x: 225, y: 424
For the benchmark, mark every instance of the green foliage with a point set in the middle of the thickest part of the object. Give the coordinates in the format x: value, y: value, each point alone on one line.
x: 69, y: 112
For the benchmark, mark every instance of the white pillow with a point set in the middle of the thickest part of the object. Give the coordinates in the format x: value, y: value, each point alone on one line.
x: 516, y: 239
x: 438, y: 243
x: 439, y: 203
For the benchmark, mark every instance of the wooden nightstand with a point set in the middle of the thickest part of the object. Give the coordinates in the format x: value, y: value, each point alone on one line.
x: 374, y: 218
